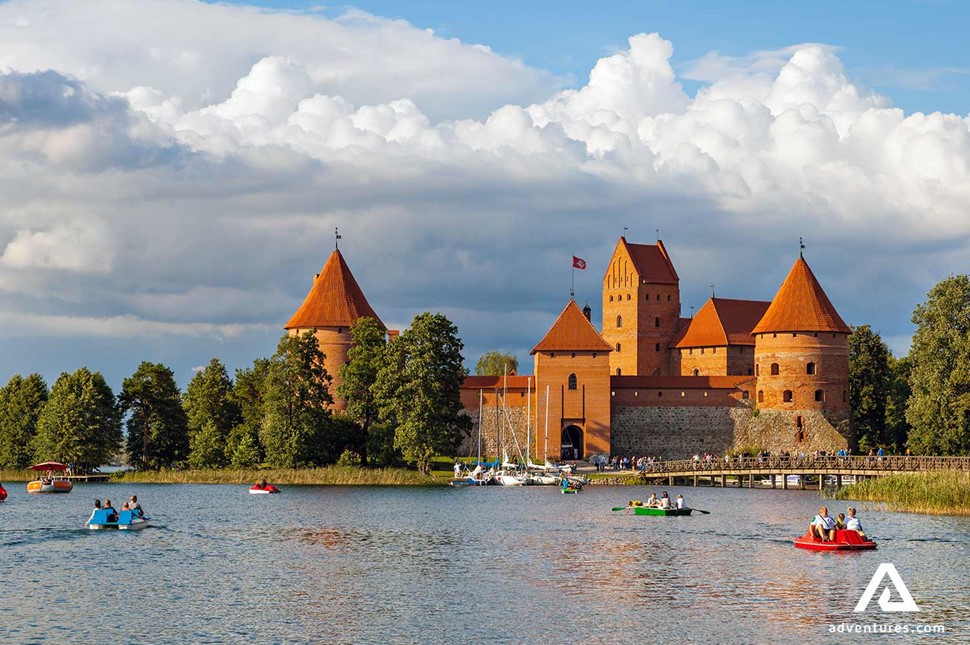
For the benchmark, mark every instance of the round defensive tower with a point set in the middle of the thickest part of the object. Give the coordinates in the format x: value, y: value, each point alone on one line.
x: 332, y: 306
x: 801, y: 350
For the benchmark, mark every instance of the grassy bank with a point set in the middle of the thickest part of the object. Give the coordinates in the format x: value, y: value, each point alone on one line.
x: 936, y: 493
x: 330, y: 475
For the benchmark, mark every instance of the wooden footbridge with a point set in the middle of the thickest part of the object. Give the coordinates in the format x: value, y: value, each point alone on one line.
x: 774, y: 471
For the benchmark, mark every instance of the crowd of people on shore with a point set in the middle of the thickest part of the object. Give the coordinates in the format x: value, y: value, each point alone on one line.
x: 131, y: 505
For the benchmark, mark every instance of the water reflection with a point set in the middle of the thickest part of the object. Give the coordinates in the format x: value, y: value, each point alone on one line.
x: 443, y: 566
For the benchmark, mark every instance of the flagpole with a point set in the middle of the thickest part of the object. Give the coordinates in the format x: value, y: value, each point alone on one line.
x: 572, y: 285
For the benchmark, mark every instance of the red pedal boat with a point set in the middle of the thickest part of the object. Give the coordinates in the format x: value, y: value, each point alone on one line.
x: 259, y: 489
x: 844, y: 541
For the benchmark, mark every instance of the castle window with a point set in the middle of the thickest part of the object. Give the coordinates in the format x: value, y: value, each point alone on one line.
x: 657, y: 347
x: 761, y: 396
x: 618, y: 372
x: 810, y: 368
x: 656, y: 322
x: 618, y: 347
x: 702, y: 350
x: 552, y: 355
x: 572, y: 382
x: 757, y: 370
x: 845, y: 397
x: 594, y: 354
x: 574, y: 355
x: 668, y: 297
x: 774, y: 335
x: 819, y: 395
x: 774, y: 369
x: 627, y: 296
x: 683, y: 394
x: 816, y: 334
x: 800, y: 435
x: 660, y: 394
x: 705, y: 394
x: 619, y: 321
x: 745, y: 396
x: 714, y: 350
x: 611, y: 298
x: 340, y: 330
x: 697, y: 372
x: 749, y: 371
x: 658, y: 297
x: 794, y: 335
x: 787, y: 396
x: 647, y: 296
x: 690, y: 351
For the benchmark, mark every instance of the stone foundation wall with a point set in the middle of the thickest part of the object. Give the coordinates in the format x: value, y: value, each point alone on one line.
x: 494, y: 432
x: 681, y: 432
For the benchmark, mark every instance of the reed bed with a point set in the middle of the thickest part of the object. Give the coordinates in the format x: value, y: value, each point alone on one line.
x: 329, y: 475
x: 17, y: 475
x: 934, y: 493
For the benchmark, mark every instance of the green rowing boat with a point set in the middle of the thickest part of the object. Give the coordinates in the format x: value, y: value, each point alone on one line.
x: 647, y: 510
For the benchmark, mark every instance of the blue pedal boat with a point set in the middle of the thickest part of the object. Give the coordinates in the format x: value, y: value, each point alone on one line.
x: 127, y: 521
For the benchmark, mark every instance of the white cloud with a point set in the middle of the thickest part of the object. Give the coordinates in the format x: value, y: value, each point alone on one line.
x: 166, y: 183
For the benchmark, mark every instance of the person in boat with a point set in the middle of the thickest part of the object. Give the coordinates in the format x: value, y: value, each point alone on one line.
x: 823, y: 526
x: 457, y: 468
x: 97, y: 507
x: 852, y: 523
x: 840, y: 522
x: 652, y: 500
x: 135, y: 506
x: 664, y: 500
x: 112, y: 513
x: 680, y: 501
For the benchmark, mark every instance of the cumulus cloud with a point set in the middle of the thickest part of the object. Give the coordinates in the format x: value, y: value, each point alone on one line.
x: 183, y: 185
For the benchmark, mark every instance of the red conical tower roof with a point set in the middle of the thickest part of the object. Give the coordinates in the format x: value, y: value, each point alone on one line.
x: 572, y: 332
x: 801, y: 305
x: 335, y: 299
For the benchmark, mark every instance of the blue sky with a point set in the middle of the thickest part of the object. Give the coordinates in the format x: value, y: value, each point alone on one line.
x: 915, y: 51
x: 171, y: 172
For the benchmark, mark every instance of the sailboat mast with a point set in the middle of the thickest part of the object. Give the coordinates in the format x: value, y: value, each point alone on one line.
x: 528, y: 421
x: 480, y: 397
x: 545, y: 447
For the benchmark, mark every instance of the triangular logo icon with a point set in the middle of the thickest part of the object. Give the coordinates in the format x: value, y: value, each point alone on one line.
x: 906, y: 604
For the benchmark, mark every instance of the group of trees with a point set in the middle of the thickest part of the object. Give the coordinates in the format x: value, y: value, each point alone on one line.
x: 403, y: 403
x: 920, y: 401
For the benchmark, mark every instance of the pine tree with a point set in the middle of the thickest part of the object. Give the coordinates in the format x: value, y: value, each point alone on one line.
x: 211, y: 415
x: 243, y: 447
x: 21, y: 402
x: 158, y: 435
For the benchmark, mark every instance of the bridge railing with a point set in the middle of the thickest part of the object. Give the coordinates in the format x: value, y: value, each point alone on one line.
x: 795, y: 463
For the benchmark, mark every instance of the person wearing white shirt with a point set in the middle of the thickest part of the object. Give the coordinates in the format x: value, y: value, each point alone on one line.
x: 822, y: 525
x: 852, y: 523
x: 664, y: 500
x: 680, y: 501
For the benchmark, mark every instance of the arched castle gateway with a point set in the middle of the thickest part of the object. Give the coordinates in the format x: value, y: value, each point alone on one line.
x: 741, y: 373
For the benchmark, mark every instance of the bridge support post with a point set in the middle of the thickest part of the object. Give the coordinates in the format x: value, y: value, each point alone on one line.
x: 723, y: 481
x: 838, y: 481
x: 670, y: 480
x: 821, y: 481
x: 750, y: 480
x: 695, y: 481
x: 772, y: 481
x: 801, y: 482
x: 784, y: 481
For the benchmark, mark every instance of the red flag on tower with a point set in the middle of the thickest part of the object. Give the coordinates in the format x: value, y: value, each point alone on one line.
x: 579, y: 263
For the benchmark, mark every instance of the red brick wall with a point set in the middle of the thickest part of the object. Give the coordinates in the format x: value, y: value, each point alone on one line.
x: 588, y: 406
x: 792, y: 352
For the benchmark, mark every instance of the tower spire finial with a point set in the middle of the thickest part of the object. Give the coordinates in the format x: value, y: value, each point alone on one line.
x: 336, y: 240
x: 801, y: 248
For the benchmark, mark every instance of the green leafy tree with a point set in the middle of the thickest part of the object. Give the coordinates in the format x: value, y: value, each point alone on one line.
x: 296, y: 409
x: 896, y: 400
x: 211, y: 414
x: 495, y: 363
x: 243, y: 446
x: 158, y: 435
x: 81, y: 423
x: 418, y: 390
x: 21, y: 402
x: 939, y: 407
x: 868, y: 386
x: 359, y: 377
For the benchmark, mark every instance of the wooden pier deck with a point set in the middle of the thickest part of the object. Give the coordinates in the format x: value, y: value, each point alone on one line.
x: 835, y: 469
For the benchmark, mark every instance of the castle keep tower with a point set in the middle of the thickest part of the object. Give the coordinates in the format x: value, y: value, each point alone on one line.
x: 332, y: 306
x: 802, y: 350
x: 641, y: 309
x: 573, y: 360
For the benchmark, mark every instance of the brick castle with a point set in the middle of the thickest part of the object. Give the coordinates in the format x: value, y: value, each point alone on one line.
x: 739, y: 374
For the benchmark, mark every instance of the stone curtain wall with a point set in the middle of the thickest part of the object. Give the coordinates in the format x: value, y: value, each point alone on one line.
x: 490, y: 438
x: 681, y: 432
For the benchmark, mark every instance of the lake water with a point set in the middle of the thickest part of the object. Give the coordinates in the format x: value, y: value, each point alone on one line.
x: 487, y: 565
